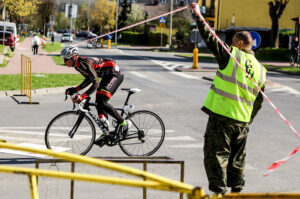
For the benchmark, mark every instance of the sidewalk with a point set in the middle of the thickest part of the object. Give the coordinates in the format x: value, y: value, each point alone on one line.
x: 41, y: 63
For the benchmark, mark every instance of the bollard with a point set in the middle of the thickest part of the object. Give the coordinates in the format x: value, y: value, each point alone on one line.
x: 101, y: 43
x: 195, y: 58
x: 108, y: 43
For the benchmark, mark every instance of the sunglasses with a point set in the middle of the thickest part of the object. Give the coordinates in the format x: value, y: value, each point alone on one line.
x: 65, y: 59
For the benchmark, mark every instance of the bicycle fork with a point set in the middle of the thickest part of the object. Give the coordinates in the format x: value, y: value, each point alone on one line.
x: 77, y: 124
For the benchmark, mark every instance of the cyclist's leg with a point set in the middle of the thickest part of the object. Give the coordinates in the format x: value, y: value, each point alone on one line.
x: 105, y: 91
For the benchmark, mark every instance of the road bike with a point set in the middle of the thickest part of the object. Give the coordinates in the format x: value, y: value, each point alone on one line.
x: 74, y: 131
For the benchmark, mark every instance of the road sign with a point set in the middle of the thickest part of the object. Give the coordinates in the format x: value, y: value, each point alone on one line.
x: 162, y: 19
x: 195, y: 37
x: 109, y: 36
x: 256, y: 39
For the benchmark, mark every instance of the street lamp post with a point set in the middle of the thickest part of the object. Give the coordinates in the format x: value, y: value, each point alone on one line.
x: 171, y: 22
x: 117, y: 12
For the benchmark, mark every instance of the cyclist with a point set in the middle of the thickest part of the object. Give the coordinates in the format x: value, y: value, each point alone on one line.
x: 93, y: 68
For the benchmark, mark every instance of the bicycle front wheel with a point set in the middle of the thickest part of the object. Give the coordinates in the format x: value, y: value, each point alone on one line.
x: 59, y: 138
x: 145, y: 135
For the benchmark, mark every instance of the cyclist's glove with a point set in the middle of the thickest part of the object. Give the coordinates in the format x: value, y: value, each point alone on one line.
x: 79, y: 98
x: 71, y: 91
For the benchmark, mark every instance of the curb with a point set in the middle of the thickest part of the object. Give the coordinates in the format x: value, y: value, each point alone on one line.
x: 190, y: 69
x: 40, y: 91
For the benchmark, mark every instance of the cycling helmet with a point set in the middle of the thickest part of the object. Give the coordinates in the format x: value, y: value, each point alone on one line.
x: 68, y: 51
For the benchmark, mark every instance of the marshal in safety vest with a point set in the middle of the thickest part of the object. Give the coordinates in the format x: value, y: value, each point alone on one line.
x: 232, y: 93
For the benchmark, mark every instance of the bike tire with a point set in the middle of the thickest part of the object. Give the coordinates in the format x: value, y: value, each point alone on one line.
x: 57, y: 133
x: 154, y: 133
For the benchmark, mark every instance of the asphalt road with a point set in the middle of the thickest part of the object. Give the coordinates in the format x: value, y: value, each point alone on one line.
x: 177, y: 98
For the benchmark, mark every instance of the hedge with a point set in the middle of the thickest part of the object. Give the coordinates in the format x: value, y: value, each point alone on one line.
x: 155, y: 37
x: 130, y: 37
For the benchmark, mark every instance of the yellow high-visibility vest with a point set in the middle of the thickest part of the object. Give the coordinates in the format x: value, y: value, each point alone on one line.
x: 232, y: 93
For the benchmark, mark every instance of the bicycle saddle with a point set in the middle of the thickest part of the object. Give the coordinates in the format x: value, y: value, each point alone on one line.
x: 131, y: 90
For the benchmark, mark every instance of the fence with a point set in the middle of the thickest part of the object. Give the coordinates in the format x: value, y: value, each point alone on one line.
x: 26, y: 79
x: 151, y: 181
x: 132, y: 160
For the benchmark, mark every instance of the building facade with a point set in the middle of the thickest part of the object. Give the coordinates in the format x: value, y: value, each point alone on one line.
x: 248, y: 13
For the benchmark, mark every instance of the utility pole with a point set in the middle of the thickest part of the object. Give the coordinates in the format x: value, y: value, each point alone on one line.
x: 88, y: 22
x: 70, y: 14
x: 117, y: 13
x: 171, y: 23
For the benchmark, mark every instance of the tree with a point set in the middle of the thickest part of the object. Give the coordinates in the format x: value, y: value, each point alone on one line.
x: 82, y: 20
x: 103, y: 15
x: 276, y: 8
x: 46, y: 8
x: 19, y: 9
x: 125, y: 11
x: 136, y: 15
x: 62, y: 22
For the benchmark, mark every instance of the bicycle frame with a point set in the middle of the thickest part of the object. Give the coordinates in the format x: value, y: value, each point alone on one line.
x: 85, y: 109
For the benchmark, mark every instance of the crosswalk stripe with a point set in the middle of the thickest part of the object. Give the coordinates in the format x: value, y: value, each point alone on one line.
x: 186, y: 146
x: 181, y: 138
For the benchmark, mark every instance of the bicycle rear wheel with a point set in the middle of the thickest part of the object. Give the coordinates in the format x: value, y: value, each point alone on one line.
x: 145, y: 135
x: 57, y: 133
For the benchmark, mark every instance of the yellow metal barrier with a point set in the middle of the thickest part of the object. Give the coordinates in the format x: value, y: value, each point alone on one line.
x: 262, y: 196
x: 132, y: 160
x: 152, y: 181
x: 26, y: 79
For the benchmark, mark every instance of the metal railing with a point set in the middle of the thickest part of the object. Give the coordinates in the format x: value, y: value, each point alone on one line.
x: 131, y: 160
x: 26, y: 79
x: 150, y: 181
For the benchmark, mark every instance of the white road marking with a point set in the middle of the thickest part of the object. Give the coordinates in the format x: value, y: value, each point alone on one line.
x: 185, y: 75
x: 35, y: 146
x: 143, y: 76
x: 186, y: 146
x: 180, y: 138
x: 284, y: 89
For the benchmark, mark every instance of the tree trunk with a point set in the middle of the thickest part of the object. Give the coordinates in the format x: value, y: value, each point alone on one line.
x: 276, y: 8
x: 274, y: 40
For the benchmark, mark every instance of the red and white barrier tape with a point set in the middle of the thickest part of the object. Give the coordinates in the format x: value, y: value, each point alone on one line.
x: 274, y: 165
x: 278, y: 163
x: 139, y: 23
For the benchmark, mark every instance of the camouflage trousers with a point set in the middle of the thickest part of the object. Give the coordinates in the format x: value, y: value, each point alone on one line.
x: 224, y: 154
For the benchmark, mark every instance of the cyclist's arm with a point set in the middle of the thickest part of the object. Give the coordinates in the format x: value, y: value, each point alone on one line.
x: 90, y: 77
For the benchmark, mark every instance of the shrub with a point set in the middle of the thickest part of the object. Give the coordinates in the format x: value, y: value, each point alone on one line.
x: 279, y: 54
x: 130, y: 37
x: 155, y: 37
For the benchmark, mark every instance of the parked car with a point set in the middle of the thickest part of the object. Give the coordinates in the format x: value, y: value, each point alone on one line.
x: 67, y: 37
x: 7, y: 39
x: 91, y: 35
x: 9, y: 27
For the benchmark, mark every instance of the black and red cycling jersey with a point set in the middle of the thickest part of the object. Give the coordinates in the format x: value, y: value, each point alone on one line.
x: 93, y: 68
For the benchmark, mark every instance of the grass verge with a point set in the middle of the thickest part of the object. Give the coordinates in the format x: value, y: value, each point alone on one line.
x: 13, y: 82
x: 58, y: 60
x: 291, y: 70
x: 52, y: 48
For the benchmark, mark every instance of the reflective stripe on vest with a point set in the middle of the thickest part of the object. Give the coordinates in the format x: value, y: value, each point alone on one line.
x: 233, y: 95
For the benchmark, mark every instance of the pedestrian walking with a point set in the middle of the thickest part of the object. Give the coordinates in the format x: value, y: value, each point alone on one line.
x: 36, y: 42
x: 295, y: 48
x: 232, y: 103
